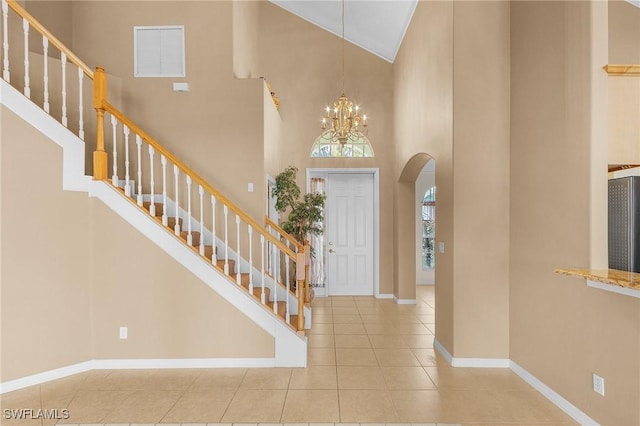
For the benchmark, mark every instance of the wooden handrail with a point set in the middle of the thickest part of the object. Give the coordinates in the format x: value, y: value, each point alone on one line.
x: 13, y: 4
x: 282, y: 232
x: 622, y: 70
x: 196, y: 178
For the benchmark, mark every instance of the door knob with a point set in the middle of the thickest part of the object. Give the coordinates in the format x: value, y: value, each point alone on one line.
x: 332, y: 251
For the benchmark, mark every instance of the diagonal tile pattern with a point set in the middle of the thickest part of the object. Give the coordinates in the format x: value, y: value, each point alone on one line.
x: 370, y: 362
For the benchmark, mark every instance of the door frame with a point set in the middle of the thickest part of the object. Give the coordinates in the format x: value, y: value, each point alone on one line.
x: 325, y: 171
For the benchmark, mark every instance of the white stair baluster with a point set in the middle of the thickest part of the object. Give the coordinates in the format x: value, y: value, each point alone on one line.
x: 152, y: 206
x: 286, y: 268
x: 80, y: 105
x: 214, y: 256
x: 114, y: 125
x: 45, y: 49
x: 5, y: 41
x: 275, y: 280
x: 176, y: 172
x: 226, y: 240
x: 127, y: 186
x: 201, y: 193
x: 238, y: 251
x: 165, y: 218
x: 189, y: 236
x: 139, y: 195
x: 25, y: 28
x: 250, y: 230
x: 262, y: 267
x: 63, y: 61
x: 297, y: 289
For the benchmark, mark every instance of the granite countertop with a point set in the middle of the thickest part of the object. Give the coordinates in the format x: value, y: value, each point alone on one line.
x: 625, y: 279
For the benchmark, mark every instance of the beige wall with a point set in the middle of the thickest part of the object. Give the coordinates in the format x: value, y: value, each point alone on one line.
x: 624, y: 93
x: 44, y: 268
x: 169, y: 312
x: 245, y: 39
x: 303, y: 64
x: 423, y: 115
x: 217, y: 127
x: 481, y: 92
x: 460, y: 116
x: 55, y: 16
x: 562, y: 331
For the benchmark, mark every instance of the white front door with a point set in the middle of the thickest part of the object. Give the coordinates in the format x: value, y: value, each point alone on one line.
x: 350, y: 233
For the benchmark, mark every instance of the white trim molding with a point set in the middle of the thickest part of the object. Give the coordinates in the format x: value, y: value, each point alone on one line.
x: 45, y: 376
x: 134, y: 364
x: 404, y: 301
x: 614, y: 288
x: 383, y: 296
x: 571, y: 410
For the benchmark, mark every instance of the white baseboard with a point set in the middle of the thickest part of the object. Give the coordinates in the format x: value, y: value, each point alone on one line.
x: 404, y: 301
x: 134, y: 364
x: 573, y: 411
x: 471, y: 362
x: 45, y: 376
x: 383, y: 296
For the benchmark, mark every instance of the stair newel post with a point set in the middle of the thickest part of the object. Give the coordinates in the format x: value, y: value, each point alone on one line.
x: 114, y: 178
x: 226, y: 239
x: 25, y: 29
x: 176, y: 227
x: 63, y: 62
x: 300, y: 277
x: 201, y: 193
x: 5, y: 41
x: 127, y: 186
x: 189, y: 234
x: 45, y: 50
x: 152, y: 206
x: 262, y: 298
x: 250, y: 230
x: 307, y: 264
x: 80, y: 99
x: 214, y: 255
x: 139, y: 195
x: 99, y: 98
x: 238, y: 250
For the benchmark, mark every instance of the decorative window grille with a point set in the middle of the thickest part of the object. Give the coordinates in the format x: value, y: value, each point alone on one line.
x: 360, y: 148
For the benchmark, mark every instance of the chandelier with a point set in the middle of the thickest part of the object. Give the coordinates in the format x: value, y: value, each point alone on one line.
x: 342, y: 122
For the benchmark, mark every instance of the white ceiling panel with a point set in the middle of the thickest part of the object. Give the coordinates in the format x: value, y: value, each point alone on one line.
x: 375, y: 25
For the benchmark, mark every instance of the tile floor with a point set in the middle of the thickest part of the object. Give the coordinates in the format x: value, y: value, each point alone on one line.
x: 370, y: 361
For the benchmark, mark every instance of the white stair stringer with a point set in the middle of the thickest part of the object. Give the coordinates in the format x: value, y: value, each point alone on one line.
x: 244, y: 264
x: 290, y: 348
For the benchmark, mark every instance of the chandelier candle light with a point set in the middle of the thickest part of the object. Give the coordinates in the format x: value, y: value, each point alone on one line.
x: 343, y: 123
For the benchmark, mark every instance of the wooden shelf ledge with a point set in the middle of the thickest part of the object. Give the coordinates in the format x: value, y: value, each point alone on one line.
x: 622, y: 70
x: 622, y: 282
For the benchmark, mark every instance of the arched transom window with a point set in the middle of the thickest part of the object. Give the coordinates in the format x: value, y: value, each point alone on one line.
x: 358, y: 148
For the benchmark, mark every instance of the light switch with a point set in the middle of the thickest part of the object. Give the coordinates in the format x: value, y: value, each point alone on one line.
x: 441, y: 247
x: 250, y: 187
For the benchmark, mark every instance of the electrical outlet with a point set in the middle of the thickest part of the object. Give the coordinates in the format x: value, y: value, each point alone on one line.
x: 598, y: 384
x: 124, y: 332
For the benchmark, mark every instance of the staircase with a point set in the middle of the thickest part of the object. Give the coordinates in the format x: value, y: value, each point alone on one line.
x: 247, y: 264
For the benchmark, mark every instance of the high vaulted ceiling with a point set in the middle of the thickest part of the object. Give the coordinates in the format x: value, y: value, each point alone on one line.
x: 375, y: 25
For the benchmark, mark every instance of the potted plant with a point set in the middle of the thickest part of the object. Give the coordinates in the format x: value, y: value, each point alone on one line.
x: 305, y: 215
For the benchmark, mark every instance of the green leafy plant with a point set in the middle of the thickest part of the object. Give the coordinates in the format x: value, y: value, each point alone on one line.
x: 305, y: 215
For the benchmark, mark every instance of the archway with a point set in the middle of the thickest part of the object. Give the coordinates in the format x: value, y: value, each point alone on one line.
x: 404, y: 290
